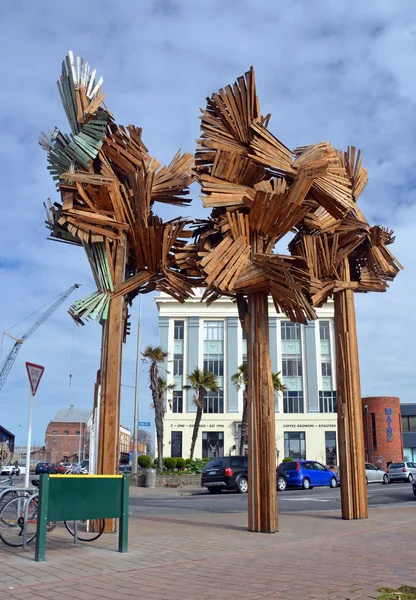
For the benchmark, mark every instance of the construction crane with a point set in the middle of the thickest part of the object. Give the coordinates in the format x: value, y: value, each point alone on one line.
x: 11, y: 357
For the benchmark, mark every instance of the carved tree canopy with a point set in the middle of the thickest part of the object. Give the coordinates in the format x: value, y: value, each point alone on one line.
x: 260, y: 191
x: 108, y: 184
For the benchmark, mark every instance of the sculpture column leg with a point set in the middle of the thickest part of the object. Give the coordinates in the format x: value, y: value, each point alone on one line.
x: 354, y: 504
x: 262, y: 501
x: 111, y: 359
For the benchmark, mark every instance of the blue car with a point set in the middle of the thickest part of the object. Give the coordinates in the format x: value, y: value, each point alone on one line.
x: 41, y: 468
x: 308, y: 474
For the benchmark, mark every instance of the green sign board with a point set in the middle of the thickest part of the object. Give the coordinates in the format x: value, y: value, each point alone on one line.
x: 82, y: 497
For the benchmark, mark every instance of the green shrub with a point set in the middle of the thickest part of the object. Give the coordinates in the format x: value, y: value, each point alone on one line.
x: 188, y: 461
x: 155, y: 461
x: 169, y: 462
x: 180, y: 463
x: 206, y: 460
x: 195, y: 467
x: 287, y: 459
x: 144, y: 461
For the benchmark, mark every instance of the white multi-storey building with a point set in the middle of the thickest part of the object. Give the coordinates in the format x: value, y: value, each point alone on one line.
x: 210, y: 337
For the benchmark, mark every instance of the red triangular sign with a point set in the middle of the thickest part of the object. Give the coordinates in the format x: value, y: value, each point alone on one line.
x: 35, y: 373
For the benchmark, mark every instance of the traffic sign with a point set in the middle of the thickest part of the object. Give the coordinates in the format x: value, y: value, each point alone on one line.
x: 35, y: 373
x: 143, y: 424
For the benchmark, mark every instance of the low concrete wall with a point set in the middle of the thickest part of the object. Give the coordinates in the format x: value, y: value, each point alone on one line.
x: 168, y: 480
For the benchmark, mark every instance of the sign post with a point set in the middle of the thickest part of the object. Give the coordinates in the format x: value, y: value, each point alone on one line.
x: 35, y: 373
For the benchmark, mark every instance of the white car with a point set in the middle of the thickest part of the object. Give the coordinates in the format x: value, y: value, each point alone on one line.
x: 9, y: 470
x: 374, y: 474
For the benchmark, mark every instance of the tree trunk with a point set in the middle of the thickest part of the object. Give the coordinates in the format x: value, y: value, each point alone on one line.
x: 244, y: 432
x: 262, y: 501
x: 354, y: 504
x: 159, y: 436
x: 198, y: 417
x: 111, y: 359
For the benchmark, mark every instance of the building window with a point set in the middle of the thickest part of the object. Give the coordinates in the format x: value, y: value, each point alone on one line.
x: 291, y: 366
x: 326, y: 367
x: 178, y: 330
x: 331, y: 448
x: 214, y: 402
x: 295, y: 445
x: 214, y: 363
x: 53, y: 440
x: 409, y: 423
x: 290, y: 331
x: 293, y: 402
x: 78, y: 432
x: 327, y: 402
x: 178, y: 364
x: 374, y: 430
x: 66, y: 432
x: 54, y: 431
x: 212, y: 444
x: 176, y: 444
x: 177, y: 402
x: 213, y: 331
x: 324, y: 330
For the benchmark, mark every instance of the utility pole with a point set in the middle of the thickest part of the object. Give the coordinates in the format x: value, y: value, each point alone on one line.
x: 136, y: 393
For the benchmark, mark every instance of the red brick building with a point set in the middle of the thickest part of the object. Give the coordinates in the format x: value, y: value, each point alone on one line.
x: 382, y: 430
x: 67, y: 436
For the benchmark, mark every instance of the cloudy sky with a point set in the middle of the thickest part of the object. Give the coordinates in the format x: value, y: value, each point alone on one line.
x: 338, y: 71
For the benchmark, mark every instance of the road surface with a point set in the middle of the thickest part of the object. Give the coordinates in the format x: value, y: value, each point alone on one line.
x: 317, y: 499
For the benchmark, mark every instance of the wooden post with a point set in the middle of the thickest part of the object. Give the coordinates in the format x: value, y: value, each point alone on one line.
x: 111, y: 382
x: 354, y: 504
x: 262, y: 501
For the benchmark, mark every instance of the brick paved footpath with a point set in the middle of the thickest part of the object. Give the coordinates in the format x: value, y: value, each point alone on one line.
x: 315, y: 555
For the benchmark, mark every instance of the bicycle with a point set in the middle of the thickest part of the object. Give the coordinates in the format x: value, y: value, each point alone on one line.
x: 12, y: 523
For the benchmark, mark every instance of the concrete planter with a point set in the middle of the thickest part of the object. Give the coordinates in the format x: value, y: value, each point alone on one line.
x: 170, y: 480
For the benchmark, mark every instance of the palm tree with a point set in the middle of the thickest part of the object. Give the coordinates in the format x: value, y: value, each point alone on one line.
x: 201, y: 382
x: 155, y: 355
x: 240, y: 380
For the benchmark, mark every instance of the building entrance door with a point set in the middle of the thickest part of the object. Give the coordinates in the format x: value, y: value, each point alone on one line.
x: 176, y: 444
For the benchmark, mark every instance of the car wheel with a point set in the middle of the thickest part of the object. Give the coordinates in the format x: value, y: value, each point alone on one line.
x: 414, y: 491
x: 281, y: 484
x: 306, y: 484
x: 242, y: 485
x: 410, y: 477
x: 333, y: 482
x: 385, y: 479
x: 214, y: 490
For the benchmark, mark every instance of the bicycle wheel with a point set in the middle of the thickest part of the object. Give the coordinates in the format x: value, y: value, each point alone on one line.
x: 88, y: 530
x: 12, y: 521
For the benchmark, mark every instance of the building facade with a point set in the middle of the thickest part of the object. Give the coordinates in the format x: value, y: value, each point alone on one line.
x: 211, y: 338
x: 382, y: 430
x: 67, y: 436
x: 6, y: 444
x: 408, y: 413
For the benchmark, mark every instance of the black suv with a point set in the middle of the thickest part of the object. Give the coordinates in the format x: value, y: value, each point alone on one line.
x: 231, y: 473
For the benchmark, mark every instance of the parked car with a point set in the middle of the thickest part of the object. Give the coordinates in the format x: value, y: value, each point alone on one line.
x: 122, y: 469
x: 308, y: 474
x: 9, y: 470
x: 414, y: 486
x: 402, y: 471
x: 231, y: 473
x: 57, y: 468
x: 41, y: 468
x: 373, y: 474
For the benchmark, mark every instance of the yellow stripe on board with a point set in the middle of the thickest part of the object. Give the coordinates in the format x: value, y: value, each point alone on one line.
x: 89, y: 476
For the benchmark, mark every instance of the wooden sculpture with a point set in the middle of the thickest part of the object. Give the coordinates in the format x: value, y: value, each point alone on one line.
x: 108, y: 184
x: 259, y: 191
